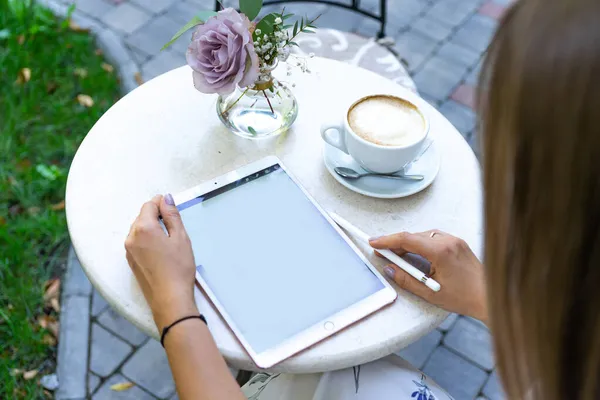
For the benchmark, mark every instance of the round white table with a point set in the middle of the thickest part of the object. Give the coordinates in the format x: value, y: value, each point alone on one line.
x: 165, y: 137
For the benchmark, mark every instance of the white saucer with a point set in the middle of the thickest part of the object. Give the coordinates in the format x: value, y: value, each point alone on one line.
x: 428, y: 166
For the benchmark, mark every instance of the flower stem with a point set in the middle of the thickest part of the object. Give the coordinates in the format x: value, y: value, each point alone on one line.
x: 268, y: 101
x: 235, y: 102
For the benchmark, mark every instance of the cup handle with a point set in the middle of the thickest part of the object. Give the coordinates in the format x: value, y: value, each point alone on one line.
x: 336, y: 139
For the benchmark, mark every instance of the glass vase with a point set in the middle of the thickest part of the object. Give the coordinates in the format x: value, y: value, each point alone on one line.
x: 266, y: 109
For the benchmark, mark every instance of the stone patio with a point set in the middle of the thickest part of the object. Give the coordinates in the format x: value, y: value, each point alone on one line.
x: 441, y: 42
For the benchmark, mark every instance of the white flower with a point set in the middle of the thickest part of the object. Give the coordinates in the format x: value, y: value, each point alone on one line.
x: 265, y: 37
x: 278, y: 21
x: 258, y: 31
x: 267, y: 57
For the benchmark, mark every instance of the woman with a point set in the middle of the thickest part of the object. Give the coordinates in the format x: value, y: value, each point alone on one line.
x: 541, y: 156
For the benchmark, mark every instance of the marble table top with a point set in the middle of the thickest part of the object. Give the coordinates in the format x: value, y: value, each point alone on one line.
x: 165, y: 137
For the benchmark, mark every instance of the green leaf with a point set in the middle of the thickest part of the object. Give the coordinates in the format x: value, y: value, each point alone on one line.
x: 295, y: 31
x: 251, y: 130
x: 266, y: 25
x: 197, y: 20
x: 286, y: 16
x: 294, y: 44
x: 50, y: 173
x: 70, y: 11
x: 306, y: 30
x: 286, y: 27
x: 251, y: 8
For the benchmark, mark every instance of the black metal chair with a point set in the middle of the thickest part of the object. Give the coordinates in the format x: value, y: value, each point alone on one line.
x: 355, y: 6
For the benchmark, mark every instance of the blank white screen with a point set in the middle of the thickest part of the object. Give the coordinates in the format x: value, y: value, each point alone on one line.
x: 272, y: 260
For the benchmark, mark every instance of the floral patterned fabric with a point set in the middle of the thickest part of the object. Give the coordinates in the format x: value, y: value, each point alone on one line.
x: 390, y: 378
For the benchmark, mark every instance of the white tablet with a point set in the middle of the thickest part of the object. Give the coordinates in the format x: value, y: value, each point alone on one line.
x: 278, y: 269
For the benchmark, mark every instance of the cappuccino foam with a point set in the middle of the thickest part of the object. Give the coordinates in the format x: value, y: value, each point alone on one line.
x: 386, y: 121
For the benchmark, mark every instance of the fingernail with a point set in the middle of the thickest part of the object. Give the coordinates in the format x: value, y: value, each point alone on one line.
x: 169, y: 200
x: 374, y: 238
x: 389, y: 271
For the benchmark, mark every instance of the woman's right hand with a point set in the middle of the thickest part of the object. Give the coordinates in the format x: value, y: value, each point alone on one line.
x: 453, y: 265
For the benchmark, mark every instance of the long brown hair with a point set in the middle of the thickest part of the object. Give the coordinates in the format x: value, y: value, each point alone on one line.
x: 540, y: 112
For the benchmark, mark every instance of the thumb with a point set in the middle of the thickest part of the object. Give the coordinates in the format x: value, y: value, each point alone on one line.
x: 407, y: 282
x: 170, y: 215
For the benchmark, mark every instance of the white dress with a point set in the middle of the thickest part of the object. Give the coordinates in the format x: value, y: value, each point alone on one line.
x: 391, y: 378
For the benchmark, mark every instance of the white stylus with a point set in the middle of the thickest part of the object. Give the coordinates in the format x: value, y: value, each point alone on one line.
x: 390, y: 255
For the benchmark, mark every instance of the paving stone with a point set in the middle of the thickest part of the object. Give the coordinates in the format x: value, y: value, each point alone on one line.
x: 182, y: 12
x: 98, y: 304
x: 430, y: 100
x: 153, y: 36
x: 75, y: 282
x: 459, y: 54
x: 126, y: 18
x: 85, y: 21
x: 478, y: 322
x: 439, y: 77
x: 473, y: 76
x: 466, y: 95
x: 118, y: 325
x: 461, y: 117
x: 492, y: 389
x: 93, y: 382
x: 456, y: 375
x: 405, y: 10
x: 505, y: 2
x: 139, y: 56
x: 111, y: 44
x: 415, y: 49
x: 107, y: 351
x: 452, y: 12
x: 340, y: 19
x: 471, y: 341
x: 94, y: 8
x: 492, y: 9
x: 73, y: 347
x: 149, y: 369
x: 299, y: 10
x: 431, y: 28
x: 418, y: 352
x: 448, y: 323
x: 133, y: 393
x: 476, y: 33
x: 165, y: 61
x: 368, y: 28
x: 155, y: 6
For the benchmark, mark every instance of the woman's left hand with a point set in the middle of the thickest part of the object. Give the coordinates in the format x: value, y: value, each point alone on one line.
x: 163, y: 263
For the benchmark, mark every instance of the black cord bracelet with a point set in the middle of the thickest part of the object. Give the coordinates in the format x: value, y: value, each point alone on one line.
x: 166, y: 328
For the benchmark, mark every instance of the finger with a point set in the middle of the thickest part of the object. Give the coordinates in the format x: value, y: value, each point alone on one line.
x: 433, y: 233
x: 149, y: 212
x: 407, y: 242
x: 170, y: 215
x: 399, y: 252
x: 407, y: 282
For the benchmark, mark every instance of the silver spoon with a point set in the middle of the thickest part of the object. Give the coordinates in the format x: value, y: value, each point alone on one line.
x: 352, y: 174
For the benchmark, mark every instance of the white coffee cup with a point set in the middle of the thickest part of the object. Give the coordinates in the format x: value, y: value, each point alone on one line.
x: 376, y: 157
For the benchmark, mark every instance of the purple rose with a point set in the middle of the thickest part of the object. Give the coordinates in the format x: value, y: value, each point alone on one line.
x: 222, y: 53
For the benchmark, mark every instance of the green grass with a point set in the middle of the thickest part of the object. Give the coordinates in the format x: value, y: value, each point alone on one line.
x: 41, y: 126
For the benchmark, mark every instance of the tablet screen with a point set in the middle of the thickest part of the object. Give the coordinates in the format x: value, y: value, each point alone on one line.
x: 271, y: 258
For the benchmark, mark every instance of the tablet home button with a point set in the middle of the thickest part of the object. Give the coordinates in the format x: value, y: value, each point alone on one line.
x: 329, y: 326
